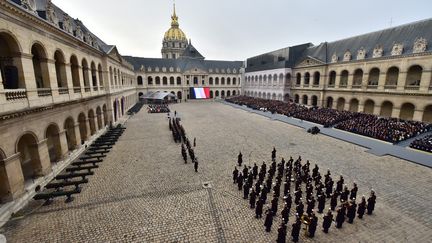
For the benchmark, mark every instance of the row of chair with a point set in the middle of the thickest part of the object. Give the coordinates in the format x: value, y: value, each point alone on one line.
x: 81, y: 168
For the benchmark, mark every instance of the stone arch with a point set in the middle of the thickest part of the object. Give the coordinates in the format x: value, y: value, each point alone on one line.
x: 344, y: 78
x: 298, y: 79
x: 223, y: 93
x: 354, y: 104
x: 329, y: 102
x: 4, y: 180
x: 386, y: 109
x: 179, y: 81
x: 172, y: 82
x: 82, y: 121
x: 358, y: 77
x: 268, y: 96
x: 69, y: 127
x: 296, y: 98
x: 140, y: 80
x: 179, y: 95
x: 85, y: 72
x: 217, y: 81
x: 122, y: 105
x: 233, y: 92
x: 414, y: 75
x: 105, y: 115
x: 427, y: 114
x: 93, y: 74
x: 369, y: 106
x: 222, y: 82
x: 340, y: 104
x: 99, y: 117
x: 100, y: 72
x: 149, y: 80
x: 286, y: 97
x: 53, y: 142
x: 158, y: 80
x: 217, y: 93
x: 392, y: 76
x: 373, y: 77
x: 288, y: 79
x: 407, y: 111
x: 281, y: 79
x: 228, y: 93
x: 11, y: 71
x: 306, y: 78
x: 211, y: 94
x: 111, y: 76
x: 273, y: 96
x: 211, y: 81
x: 31, y: 165
x: 314, y: 100
x: 228, y: 81
x: 332, y: 78
x: 60, y: 67
x: 316, y: 79
x: 40, y: 66
x: 304, y: 99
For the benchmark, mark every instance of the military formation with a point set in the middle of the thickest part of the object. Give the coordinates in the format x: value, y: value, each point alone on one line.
x: 179, y: 136
x: 284, y: 182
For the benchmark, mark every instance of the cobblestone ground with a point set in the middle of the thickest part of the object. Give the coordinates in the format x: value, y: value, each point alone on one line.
x: 143, y: 192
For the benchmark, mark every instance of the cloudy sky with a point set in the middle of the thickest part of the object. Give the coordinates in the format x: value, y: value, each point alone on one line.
x: 238, y: 29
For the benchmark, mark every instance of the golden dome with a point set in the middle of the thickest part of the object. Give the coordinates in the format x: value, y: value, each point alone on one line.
x: 175, y: 33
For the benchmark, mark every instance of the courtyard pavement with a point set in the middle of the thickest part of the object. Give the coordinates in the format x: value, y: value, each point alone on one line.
x: 143, y: 192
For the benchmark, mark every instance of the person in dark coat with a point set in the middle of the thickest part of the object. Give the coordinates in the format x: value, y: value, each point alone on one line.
x: 285, y: 214
x: 240, y: 181
x: 196, y: 164
x: 255, y: 171
x: 354, y: 190
x: 240, y: 159
x: 300, y: 209
x: 333, y: 201
x: 340, y: 218
x: 268, y: 220
x: 310, y: 205
x: 295, y: 232
x: 245, y: 191
x: 273, y: 154
x: 288, y: 201
x: 327, y: 220
x: 259, y: 209
x: 329, y: 188
x: 351, y: 213
x: 281, y: 238
x: 339, y: 184
x: 321, y: 203
x: 344, y: 194
x: 252, y: 199
x: 361, y: 208
x: 245, y: 171
x: 371, y: 203
x: 313, y: 225
x: 274, y: 205
x: 235, y: 174
x: 194, y: 142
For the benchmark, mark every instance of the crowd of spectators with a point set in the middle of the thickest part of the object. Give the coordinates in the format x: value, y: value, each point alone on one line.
x: 158, y: 109
x: 392, y: 130
x: 424, y: 144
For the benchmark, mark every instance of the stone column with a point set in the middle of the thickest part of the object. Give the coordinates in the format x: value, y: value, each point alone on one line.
x: 396, y: 112
x: 365, y: 81
x: 418, y: 115
x: 77, y: 135
x: 402, y: 80
x: 426, y: 80
x: 45, y: 163
x: 87, y: 122
x: 337, y: 81
x: 63, y: 144
x: 29, y: 76
x: 12, y: 184
x: 381, y: 80
x: 81, y: 78
x: 69, y: 80
x: 350, y: 80
x: 52, y: 74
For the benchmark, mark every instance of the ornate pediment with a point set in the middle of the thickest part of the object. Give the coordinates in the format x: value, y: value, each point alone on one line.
x: 420, y: 45
x: 361, y: 54
x: 51, y: 15
x: 347, y: 56
x: 377, y: 52
x: 334, y: 58
x: 310, y: 61
x: 397, y: 49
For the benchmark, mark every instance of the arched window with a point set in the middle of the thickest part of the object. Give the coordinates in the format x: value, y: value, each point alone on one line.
x: 332, y: 78
x: 317, y: 77
x: 60, y: 67
x: 374, y: 74
x: 40, y: 66
x: 414, y: 75
x: 139, y: 80
x: 392, y: 78
x: 150, y: 80
x: 10, y: 66
x: 298, y: 79
x: 179, y: 81
x: 358, y: 78
x: 344, y: 79
x: 306, y: 79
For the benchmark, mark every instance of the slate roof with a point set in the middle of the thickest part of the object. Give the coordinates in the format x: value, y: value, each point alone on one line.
x: 184, y: 64
x: 192, y: 52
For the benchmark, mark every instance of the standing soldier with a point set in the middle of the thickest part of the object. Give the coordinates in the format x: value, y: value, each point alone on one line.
x: 344, y: 194
x: 240, y: 159
x: 339, y: 184
x: 273, y: 154
x: 268, y: 220
x: 361, y: 207
x: 354, y: 192
x: 285, y: 213
x: 184, y: 154
x: 295, y: 232
x: 255, y: 171
x: 274, y: 205
x: 245, y: 171
x: 321, y: 203
x: 196, y: 165
x: 340, y: 218
x: 281, y: 238
x: 333, y: 201
x: 194, y: 142
x: 313, y: 225
x: 235, y: 174
x: 371, y: 203
x: 300, y: 209
x: 259, y: 209
x: 240, y: 181
x: 310, y: 205
x: 246, y: 191
x: 327, y: 220
x: 351, y: 211
x: 252, y: 199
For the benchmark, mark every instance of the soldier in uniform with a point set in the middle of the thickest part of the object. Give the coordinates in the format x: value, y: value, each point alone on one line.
x: 196, y: 165
x: 333, y: 201
x: 240, y: 181
x: 361, y: 207
x: 184, y: 154
x: 354, y: 191
x: 252, y: 199
x: 268, y: 220
x: 273, y: 154
x: 274, y: 205
x: 194, y: 143
x: 351, y: 213
x: 310, y: 205
x: 259, y: 209
x: 285, y: 213
x: 240, y: 159
x: 329, y: 187
x: 235, y: 174
x: 255, y: 171
x: 295, y: 232
x: 245, y: 171
x: 339, y: 184
x: 321, y: 203
x: 300, y: 209
x: 371, y: 203
x: 327, y: 220
x: 288, y: 201
x: 246, y: 191
x: 344, y: 194
x: 313, y: 225
x: 281, y: 233
x: 340, y: 218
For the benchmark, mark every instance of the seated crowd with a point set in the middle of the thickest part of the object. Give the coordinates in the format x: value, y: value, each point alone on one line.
x: 158, y: 109
x: 424, y: 144
x: 391, y: 130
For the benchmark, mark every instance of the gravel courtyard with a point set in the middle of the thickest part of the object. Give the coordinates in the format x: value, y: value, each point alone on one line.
x: 143, y: 192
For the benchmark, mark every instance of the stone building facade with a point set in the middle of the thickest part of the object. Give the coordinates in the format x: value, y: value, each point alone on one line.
x: 59, y: 86
x: 387, y: 73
